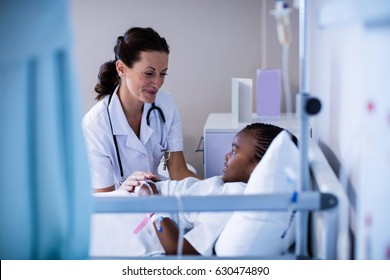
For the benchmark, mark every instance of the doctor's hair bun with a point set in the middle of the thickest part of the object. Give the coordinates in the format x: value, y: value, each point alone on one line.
x: 119, y: 41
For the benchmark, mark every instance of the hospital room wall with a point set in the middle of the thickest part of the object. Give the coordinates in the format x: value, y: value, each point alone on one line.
x: 349, y: 66
x: 211, y: 42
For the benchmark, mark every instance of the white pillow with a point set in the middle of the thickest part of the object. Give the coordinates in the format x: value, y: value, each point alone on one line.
x: 259, y: 233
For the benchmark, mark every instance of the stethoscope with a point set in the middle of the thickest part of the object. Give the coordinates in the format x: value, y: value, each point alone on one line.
x: 162, y: 117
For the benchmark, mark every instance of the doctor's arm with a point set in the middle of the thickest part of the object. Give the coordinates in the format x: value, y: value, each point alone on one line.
x: 108, y: 189
x: 177, y: 167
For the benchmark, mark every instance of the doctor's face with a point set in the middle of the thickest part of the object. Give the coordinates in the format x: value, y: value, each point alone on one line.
x: 240, y: 161
x: 147, y: 76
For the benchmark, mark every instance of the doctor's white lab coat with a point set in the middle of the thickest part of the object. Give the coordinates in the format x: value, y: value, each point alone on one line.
x: 136, y: 154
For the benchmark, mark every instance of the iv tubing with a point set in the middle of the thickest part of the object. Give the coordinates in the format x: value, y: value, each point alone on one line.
x: 286, y: 79
x: 180, y: 241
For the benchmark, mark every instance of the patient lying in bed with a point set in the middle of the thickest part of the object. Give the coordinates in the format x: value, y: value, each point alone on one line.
x: 122, y: 234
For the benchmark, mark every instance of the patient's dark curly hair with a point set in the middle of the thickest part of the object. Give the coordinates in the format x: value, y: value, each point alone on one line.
x: 265, y: 134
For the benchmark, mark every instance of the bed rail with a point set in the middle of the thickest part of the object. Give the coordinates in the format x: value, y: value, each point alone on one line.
x: 307, y: 201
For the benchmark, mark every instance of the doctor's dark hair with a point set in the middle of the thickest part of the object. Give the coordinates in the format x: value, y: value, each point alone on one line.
x: 128, y: 48
x: 265, y: 134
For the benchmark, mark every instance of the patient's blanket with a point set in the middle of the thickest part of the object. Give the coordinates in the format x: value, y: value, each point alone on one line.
x: 112, y: 234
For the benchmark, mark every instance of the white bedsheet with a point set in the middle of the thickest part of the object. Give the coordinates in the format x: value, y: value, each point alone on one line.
x: 112, y: 234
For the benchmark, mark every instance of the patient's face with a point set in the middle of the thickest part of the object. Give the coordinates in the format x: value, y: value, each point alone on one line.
x: 239, y: 162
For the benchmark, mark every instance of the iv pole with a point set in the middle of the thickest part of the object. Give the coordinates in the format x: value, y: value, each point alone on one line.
x: 306, y: 106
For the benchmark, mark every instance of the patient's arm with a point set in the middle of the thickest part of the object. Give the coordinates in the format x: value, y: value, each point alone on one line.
x: 168, y: 232
x: 169, y: 238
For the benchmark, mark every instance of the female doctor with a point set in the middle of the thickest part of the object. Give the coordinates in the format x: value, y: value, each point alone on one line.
x: 134, y: 125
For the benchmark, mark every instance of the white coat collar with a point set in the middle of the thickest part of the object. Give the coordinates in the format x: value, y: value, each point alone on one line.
x: 117, y: 115
x: 146, y: 131
x: 120, y: 125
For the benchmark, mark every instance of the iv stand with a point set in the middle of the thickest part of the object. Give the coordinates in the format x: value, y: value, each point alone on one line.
x: 306, y: 106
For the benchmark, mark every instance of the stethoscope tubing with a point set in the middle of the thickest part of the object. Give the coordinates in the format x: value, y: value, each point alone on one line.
x: 115, y: 141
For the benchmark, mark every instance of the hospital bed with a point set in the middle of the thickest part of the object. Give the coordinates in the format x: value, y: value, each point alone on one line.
x: 325, y: 235
x: 320, y: 225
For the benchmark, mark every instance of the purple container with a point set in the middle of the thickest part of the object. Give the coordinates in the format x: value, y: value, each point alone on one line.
x: 268, y: 92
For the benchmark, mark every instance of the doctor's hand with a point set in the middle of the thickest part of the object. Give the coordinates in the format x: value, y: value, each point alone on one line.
x: 135, y: 179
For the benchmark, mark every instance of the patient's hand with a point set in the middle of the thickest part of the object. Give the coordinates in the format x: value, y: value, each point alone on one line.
x: 135, y: 179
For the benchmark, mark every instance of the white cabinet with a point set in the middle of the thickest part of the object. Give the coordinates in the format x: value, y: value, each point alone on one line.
x: 219, y: 131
